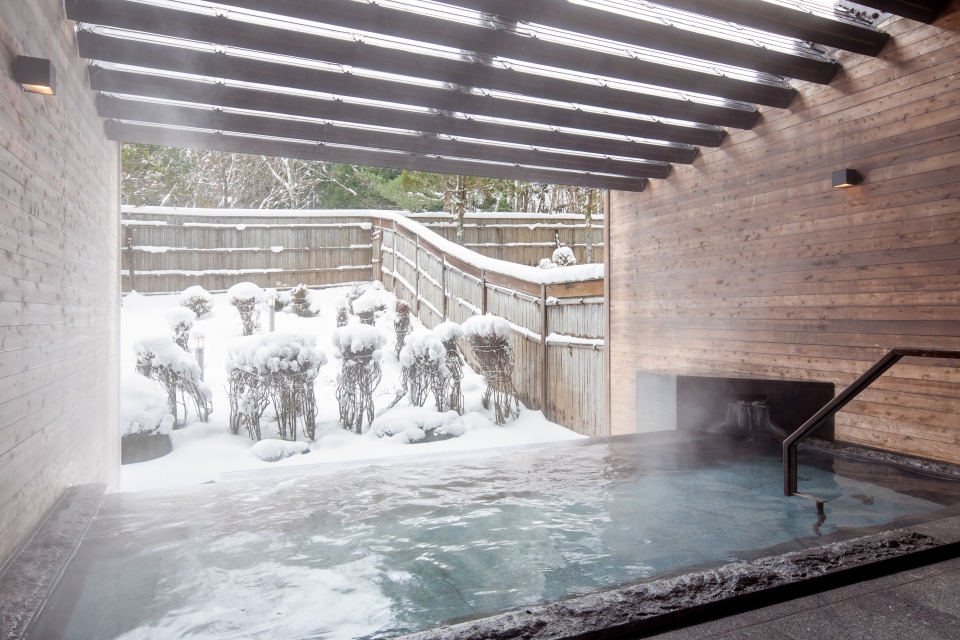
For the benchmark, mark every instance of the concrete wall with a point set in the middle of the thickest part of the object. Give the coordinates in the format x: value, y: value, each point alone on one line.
x: 59, y: 289
x: 747, y: 264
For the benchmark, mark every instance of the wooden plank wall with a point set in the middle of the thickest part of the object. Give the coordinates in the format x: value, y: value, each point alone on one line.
x: 748, y: 264
x: 59, y: 290
x: 563, y: 378
x: 521, y: 238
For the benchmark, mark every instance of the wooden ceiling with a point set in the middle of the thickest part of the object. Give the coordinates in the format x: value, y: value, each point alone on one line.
x: 598, y: 93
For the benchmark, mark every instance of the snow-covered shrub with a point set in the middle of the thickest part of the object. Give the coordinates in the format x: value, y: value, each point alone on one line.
x: 450, y: 334
x: 181, y: 322
x: 563, y: 257
x: 197, y: 299
x: 489, y: 338
x: 547, y: 263
x: 355, y: 292
x: 246, y: 297
x: 401, y: 324
x: 301, y: 301
x: 365, y: 307
x: 411, y: 424
x: 343, y: 311
x: 280, y: 300
x: 424, y: 362
x: 161, y: 360
x: 279, y: 368
x: 143, y: 408
x: 358, y: 346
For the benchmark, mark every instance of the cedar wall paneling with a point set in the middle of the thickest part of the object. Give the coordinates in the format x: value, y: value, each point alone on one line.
x: 748, y: 264
x: 59, y: 228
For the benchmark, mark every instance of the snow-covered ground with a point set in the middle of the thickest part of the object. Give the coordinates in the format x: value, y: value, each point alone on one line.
x: 202, y: 451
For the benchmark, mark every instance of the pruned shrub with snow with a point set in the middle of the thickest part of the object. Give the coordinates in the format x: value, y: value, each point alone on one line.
x: 358, y: 346
x: 301, y: 301
x: 365, y: 307
x: 563, y: 257
x: 246, y: 297
x: 181, y: 322
x: 279, y: 369
x: 343, y: 311
x: 197, y: 299
x: 401, y: 324
x: 450, y: 334
x: 355, y: 292
x: 489, y: 338
x: 177, y: 373
x: 424, y: 362
x: 143, y: 408
x: 547, y: 263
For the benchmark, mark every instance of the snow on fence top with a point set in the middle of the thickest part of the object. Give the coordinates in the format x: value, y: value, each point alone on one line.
x: 341, y: 213
x: 265, y: 353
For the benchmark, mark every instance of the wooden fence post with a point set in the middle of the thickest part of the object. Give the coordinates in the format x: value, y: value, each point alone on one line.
x: 393, y: 259
x: 543, y: 342
x: 483, y: 290
x: 443, y: 285
x: 416, y: 262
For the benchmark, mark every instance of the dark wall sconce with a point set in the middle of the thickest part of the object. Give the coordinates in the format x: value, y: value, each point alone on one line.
x: 846, y: 178
x: 37, y: 75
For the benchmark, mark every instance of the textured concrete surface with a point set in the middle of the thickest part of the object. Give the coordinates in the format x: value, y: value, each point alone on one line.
x: 640, y: 610
x: 917, y: 604
x: 865, y: 453
x: 29, y: 575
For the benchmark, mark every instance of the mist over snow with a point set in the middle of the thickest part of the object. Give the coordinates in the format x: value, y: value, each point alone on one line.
x: 202, y: 451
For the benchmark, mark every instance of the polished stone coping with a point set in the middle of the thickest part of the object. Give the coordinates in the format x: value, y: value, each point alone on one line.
x: 31, y: 572
x: 660, y: 605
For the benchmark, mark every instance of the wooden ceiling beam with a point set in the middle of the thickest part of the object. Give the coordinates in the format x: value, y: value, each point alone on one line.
x: 97, y: 46
x: 234, y: 97
x: 386, y: 20
x: 159, y: 20
x: 831, y: 31
x: 313, y: 131
x: 230, y: 143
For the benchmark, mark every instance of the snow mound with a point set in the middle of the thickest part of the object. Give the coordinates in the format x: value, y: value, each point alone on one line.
x: 423, y: 345
x: 547, y: 263
x: 486, y: 327
x: 366, y: 303
x: 196, y: 291
x: 161, y: 351
x: 358, y: 338
x: 143, y: 408
x: 340, y: 303
x: 448, y: 331
x: 133, y: 300
x: 266, y: 353
x: 180, y: 317
x: 274, y: 450
x: 376, y: 284
x: 409, y: 424
x: 245, y: 291
x: 563, y: 257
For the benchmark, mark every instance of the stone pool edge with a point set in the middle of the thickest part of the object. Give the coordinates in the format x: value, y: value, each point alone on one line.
x: 661, y: 605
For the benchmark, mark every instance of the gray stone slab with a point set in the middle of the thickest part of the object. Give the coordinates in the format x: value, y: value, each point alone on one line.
x: 33, y: 570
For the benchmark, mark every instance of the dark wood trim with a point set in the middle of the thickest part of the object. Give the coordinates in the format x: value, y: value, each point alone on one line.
x: 920, y: 10
x: 504, y: 280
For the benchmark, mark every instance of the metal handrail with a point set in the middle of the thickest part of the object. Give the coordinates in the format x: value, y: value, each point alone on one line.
x: 839, y: 402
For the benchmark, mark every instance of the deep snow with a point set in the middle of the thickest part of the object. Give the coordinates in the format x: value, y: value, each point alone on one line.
x: 202, y: 451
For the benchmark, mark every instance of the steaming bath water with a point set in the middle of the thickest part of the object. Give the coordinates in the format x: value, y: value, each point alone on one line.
x: 396, y: 546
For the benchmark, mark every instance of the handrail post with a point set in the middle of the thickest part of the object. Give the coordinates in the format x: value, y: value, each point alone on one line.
x: 443, y: 286
x: 416, y: 262
x: 543, y: 341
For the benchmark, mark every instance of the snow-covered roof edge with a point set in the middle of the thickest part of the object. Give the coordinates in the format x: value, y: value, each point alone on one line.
x: 577, y: 273
x: 336, y: 213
